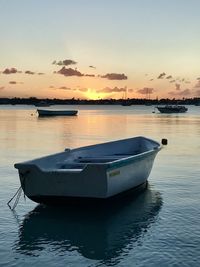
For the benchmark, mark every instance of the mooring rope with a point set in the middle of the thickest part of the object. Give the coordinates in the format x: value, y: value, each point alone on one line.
x: 17, y: 195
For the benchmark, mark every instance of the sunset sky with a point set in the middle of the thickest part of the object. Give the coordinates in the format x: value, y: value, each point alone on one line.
x: 100, y: 49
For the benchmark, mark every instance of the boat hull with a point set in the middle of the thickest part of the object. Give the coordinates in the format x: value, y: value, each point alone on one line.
x: 170, y: 110
x: 99, y: 171
x: 96, y: 182
x: 129, y: 174
x: 64, y: 200
x: 43, y: 112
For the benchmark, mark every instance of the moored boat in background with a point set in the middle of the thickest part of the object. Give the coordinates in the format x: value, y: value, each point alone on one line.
x: 172, y: 109
x: 59, y: 112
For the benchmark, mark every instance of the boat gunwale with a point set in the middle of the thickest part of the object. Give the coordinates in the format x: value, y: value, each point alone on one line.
x: 126, y: 161
x: 109, y: 165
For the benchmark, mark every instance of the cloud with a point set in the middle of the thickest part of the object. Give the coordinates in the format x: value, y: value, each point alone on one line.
x: 89, y: 75
x: 185, y: 92
x: 197, y: 85
x: 198, y: 78
x: 112, y: 90
x: 146, y: 90
x: 115, y: 76
x: 64, y: 88
x: 130, y: 90
x: 173, y: 81
x: 14, y: 82
x: 69, y: 72
x: 29, y: 72
x: 169, y: 77
x: 151, y: 80
x: 10, y: 71
x: 68, y: 88
x: 93, y: 67
x: 65, y: 62
x: 60, y: 88
x: 178, y: 86
x: 72, y: 72
x: 83, y: 89
x: 2, y: 87
x: 161, y: 76
x: 41, y: 73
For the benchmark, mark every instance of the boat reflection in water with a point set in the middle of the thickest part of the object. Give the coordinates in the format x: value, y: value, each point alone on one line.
x: 101, y: 231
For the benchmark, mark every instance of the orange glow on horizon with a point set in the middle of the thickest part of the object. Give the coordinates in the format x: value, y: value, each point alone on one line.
x: 91, y: 94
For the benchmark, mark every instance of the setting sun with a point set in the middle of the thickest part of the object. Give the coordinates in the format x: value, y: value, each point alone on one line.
x: 94, y: 95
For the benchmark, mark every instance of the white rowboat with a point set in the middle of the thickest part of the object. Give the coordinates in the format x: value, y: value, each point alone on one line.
x: 98, y: 171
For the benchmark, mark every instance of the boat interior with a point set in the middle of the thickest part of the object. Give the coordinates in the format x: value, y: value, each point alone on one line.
x: 78, y: 159
x: 82, y: 162
x: 105, y: 153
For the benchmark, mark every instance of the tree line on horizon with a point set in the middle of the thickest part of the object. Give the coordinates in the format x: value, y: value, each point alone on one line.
x: 74, y: 101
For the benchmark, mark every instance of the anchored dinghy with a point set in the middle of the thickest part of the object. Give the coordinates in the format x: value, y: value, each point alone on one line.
x: 54, y: 112
x: 98, y: 171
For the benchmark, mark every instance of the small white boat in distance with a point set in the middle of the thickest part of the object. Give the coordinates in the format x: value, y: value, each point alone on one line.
x: 98, y: 171
x: 59, y: 112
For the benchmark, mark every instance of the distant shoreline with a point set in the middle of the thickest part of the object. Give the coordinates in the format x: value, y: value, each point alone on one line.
x: 123, y: 102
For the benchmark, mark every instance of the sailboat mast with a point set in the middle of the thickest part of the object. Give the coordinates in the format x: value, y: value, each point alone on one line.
x: 125, y: 92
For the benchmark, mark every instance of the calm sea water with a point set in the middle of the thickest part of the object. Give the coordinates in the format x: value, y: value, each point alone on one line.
x: 159, y: 227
